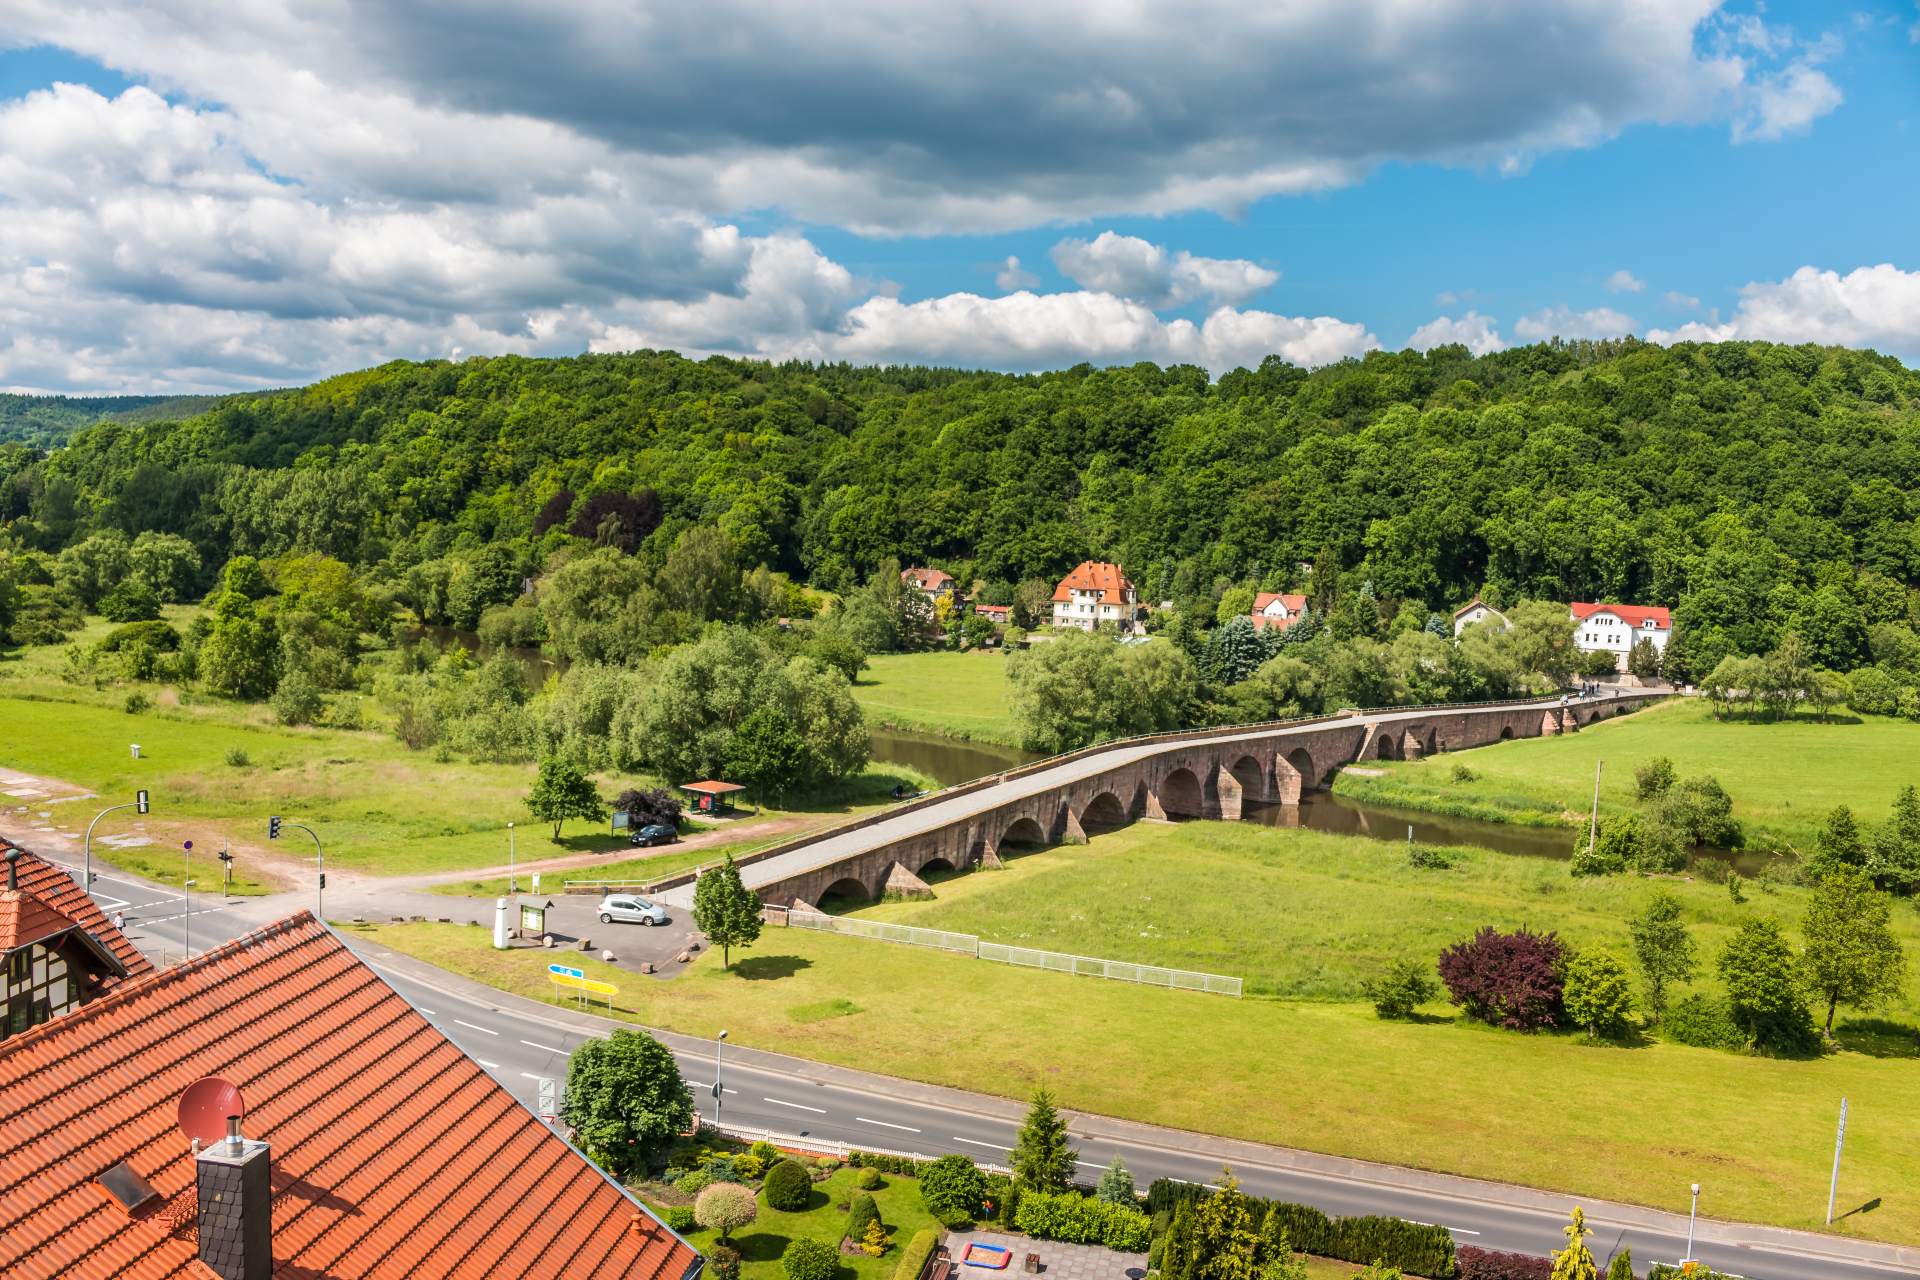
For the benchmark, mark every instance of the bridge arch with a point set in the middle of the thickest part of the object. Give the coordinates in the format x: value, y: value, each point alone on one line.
x: 1181, y: 795
x: 1506, y: 732
x: 1296, y: 774
x: 1026, y: 832
x: 1104, y: 810
x: 848, y: 888
x: 1383, y: 747
x: 934, y: 865
x: 1252, y: 777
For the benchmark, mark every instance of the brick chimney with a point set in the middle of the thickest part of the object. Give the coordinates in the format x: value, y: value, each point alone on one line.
x: 234, y: 1179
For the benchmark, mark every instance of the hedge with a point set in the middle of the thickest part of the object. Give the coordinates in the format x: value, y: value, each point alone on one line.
x: 1076, y: 1219
x: 1419, y: 1250
x: 905, y: 1166
x: 1667, y: 1271
x: 1475, y: 1263
x: 913, y: 1259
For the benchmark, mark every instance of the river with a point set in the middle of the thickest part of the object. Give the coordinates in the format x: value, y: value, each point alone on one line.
x: 950, y: 761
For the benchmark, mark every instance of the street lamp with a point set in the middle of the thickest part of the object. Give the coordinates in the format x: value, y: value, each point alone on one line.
x: 1691, y: 1215
x: 716, y: 1077
x: 319, y: 855
x: 139, y: 802
x: 186, y: 894
x: 512, y: 886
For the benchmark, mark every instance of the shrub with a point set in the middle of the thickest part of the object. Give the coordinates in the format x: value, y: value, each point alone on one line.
x: 130, y: 601
x: 765, y: 1152
x: 905, y: 1166
x: 913, y: 1259
x: 155, y: 635
x: 1490, y: 1264
x: 722, y: 1206
x: 1703, y: 1022
x: 1666, y: 1271
x: 1701, y: 811
x: 238, y: 757
x: 748, y: 1167
x: 1621, y: 1268
x: 827, y: 1164
x: 1599, y: 995
x: 952, y: 1187
x: 723, y: 1262
x: 1631, y: 840
x: 1871, y: 691
x: 868, y: 1180
x: 297, y: 700
x: 1507, y: 980
x: 720, y: 1168
x: 874, y: 1240
x: 1408, y: 1246
x: 1406, y: 985
x: 135, y: 703
x: 693, y: 1183
x: 680, y: 1217
x: 1764, y: 995
x: 1593, y: 860
x: 1654, y: 778
x: 1461, y: 773
x: 1072, y: 1217
x: 808, y: 1260
x: 859, y: 1213
x: 787, y: 1187
x: 1425, y: 857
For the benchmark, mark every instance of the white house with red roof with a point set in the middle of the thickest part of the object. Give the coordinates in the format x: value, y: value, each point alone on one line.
x: 1616, y: 628
x: 1095, y: 592
x: 1277, y: 610
x: 931, y: 583
x: 1476, y: 612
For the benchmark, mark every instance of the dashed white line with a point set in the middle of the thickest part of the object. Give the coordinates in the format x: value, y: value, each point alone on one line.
x: 430, y: 1013
x: 471, y: 1027
x: 549, y: 1048
x: 797, y: 1106
x: 529, y: 1075
x: 886, y: 1124
x: 491, y: 1066
x: 991, y: 1146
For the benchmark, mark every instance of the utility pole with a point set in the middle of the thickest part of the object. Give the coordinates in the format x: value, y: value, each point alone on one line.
x: 186, y: 894
x: 1839, y: 1141
x: 319, y: 856
x: 139, y: 802
x: 512, y: 887
x: 1593, y: 823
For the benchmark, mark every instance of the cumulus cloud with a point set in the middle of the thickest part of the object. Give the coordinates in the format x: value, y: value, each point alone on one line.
x: 1624, y: 281
x: 1685, y: 301
x: 1013, y: 276
x: 1477, y: 333
x: 1786, y: 101
x: 1564, y: 322
x: 1134, y: 268
x: 1876, y: 306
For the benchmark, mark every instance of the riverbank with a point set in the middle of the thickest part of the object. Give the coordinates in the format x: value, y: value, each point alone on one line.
x: 1784, y: 776
x: 958, y: 695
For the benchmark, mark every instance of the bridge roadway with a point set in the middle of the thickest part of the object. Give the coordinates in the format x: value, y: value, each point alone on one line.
x: 1201, y: 773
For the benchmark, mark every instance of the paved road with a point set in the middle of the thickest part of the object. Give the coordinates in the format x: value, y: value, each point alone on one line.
x: 522, y: 1043
x: 833, y: 848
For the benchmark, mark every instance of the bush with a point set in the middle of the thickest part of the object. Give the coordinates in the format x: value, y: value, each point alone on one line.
x: 827, y: 1164
x: 1592, y: 860
x: 1463, y: 774
x: 1654, y: 778
x: 680, y: 1218
x: 952, y: 1187
x: 913, y: 1259
x: 1507, y: 980
x: 723, y: 1262
x: 1632, y: 840
x: 1425, y: 857
x: 1405, y: 986
x: 158, y: 636
x: 297, y: 700
x: 765, y: 1152
x: 131, y: 601
x: 1490, y: 1264
x: 1872, y: 692
x: 1702, y: 812
x: 1408, y: 1246
x: 809, y: 1260
x: 720, y: 1168
x: 859, y: 1213
x: 1666, y: 1271
x: 238, y: 757
x: 1599, y: 994
x: 905, y: 1166
x: 868, y: 1180
x: 787, y: 1187
x: 1703, y: 1022
x: 722, y: 1206
x: 1076, y: 1219
x: 692, y: 1184
x: 748, y: 1167
x: 135, y: 703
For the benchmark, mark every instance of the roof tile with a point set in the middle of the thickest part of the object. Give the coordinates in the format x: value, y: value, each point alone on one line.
x: 62, y: 892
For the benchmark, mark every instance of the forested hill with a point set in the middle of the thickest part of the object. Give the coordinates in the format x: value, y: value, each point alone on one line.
x: 44, y: 421
x: 1732, y: 479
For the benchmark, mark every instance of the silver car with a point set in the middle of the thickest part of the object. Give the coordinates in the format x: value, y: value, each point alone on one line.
x: 625, y: 908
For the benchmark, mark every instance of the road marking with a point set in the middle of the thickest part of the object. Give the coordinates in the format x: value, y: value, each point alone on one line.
x: 991, y: 1146
x: 491, y: 1066
x: 1089, y: 1164
x: 798, y: 1106
x: 886, y: 1124
x: 549, y: 1048
x: 529, y: 1075
x: 1462, y: 1231
x: 471, y: 1027
x: 430, y: 1013
x: 111, y: 903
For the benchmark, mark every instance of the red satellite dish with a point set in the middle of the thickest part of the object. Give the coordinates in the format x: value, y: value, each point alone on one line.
x: 206, y: 1106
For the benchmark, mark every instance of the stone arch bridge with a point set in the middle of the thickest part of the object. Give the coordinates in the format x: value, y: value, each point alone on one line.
x: 1204, y: 773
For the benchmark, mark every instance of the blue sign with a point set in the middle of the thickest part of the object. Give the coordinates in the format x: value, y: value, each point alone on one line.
x: 565, y: 972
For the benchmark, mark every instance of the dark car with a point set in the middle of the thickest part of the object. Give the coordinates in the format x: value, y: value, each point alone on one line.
x: 656, y: 833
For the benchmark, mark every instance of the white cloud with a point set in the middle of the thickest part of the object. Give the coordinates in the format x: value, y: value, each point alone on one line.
x: 1685, y: 301
x: 1786, y: 101
x: 1013, y: 276
x: 1876, y: 306
x: 1624, y: 281
x: 1134, y: 268
x: 1477, y: 333
x: 1564, y: 322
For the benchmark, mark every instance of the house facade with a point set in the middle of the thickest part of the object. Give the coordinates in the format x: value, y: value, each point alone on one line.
x: 931, y: 583
x: 1616, y: 628
x: 1475, y: 613
x: 1277, y: 610
x: 1095, y: 592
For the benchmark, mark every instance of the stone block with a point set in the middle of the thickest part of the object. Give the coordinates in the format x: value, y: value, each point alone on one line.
x: 607, y: 956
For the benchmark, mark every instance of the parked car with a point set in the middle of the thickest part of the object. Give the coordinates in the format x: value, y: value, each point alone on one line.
x: 654, y: 833
x: 626, y: 908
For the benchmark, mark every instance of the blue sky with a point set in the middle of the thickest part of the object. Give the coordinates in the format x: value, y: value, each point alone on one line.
x: 269, y: 198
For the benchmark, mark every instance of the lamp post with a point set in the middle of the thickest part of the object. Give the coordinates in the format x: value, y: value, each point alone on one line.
x: 512, y: 885
x: 716, y: 1077
x: 186, y: 894
x: 139, y: 802
x: 1692, y: 1214
x: 319, y: 856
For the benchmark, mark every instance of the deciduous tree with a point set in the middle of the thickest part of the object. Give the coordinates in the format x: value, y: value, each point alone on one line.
x: 626, y: 1100
x: 562, y: 791
x: 1852, y: 957
x: 725, y: 909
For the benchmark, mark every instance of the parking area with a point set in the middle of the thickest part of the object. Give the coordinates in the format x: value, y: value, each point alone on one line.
x: 634, y: 946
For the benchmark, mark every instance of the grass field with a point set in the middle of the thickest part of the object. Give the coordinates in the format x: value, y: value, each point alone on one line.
x: 1783, y: 777
x: 378, y: 806
x: 661, y: 862
x: 1635, y: 1124
x: 1341, y: 907
x: 963, y: 695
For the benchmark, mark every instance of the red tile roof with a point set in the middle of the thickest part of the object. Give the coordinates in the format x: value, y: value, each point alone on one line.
x: 928, y: 580
x: 1631, y: 614
x: 25, y: 919
x: 1295, y: 605
x: 712, y: 788
x: 1095, y: 575
x: 393, y: 1153
x: 62, y: 892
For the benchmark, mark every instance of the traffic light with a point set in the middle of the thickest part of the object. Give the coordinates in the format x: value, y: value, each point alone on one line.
x: 323, y: 879
x: 224, y: 856
x: 273, y: 828
x: 140, y: 800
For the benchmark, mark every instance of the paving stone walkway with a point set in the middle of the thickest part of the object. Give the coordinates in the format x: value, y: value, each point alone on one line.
x: 1057, y: 1261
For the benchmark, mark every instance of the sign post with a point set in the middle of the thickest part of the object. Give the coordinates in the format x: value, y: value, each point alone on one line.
x: 548, y: 1110
x: 1839, y: 1141
x: 575, y: 980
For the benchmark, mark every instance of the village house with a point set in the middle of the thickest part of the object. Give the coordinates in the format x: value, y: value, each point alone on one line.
x: 1616, y: 628
x: 1095, y: 592
x: 995, y: 613
x: 1277, y: 610
x: 1476, y: 612
x: 931, y: 583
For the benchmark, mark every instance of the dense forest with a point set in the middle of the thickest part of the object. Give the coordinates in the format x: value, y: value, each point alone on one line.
x: 45, y: 421
x: 609, y: 507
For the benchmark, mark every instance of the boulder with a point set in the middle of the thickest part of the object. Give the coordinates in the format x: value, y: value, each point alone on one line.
x: 607, y: 956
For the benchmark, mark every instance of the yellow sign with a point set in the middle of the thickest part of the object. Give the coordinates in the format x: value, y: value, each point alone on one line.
x: 582, y: 984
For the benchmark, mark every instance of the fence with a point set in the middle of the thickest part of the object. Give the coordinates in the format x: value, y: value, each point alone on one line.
x: 1028, y: 957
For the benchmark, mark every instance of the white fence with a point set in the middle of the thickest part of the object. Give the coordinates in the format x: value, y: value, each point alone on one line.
x: 1028, y: 957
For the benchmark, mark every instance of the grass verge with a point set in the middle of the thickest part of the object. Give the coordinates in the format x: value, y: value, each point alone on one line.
x: 961, y: 695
